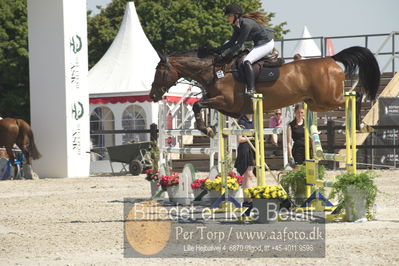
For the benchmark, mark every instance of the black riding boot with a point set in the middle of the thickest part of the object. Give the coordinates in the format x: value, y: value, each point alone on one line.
x: 250, y: 77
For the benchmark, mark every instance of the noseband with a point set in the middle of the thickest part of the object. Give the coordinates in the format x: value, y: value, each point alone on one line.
x: 161, y: 85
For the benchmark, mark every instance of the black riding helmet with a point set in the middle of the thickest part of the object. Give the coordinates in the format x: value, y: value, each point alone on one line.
x: 234, y: 8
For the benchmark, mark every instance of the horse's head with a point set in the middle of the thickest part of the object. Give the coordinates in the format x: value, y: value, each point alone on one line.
x: 165, y: 77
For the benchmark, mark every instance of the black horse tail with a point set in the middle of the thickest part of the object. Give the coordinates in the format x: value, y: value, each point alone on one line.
x: 25, y: 129
x: 362, y: 59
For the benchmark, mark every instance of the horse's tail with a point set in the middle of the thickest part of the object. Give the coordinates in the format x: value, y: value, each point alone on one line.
x: 25, y: 129
x: 363, y: 59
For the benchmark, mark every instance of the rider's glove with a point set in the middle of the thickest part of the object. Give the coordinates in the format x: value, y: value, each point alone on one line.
x: 214, y: 50
x: 219, y: 59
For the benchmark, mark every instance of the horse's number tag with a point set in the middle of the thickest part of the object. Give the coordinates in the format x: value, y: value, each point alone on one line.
x: 220, y: 74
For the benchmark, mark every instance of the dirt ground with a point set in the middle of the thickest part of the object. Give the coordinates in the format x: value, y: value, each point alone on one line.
x: 80, y: 221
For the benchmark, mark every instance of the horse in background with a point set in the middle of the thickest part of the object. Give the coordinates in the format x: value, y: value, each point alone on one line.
x: 17, y: 131
x: 318, y: 82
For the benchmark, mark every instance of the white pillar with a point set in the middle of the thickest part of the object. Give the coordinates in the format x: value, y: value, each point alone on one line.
x: 58, y: 86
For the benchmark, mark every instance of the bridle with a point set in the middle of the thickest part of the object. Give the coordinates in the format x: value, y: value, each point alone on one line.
x: 160, y: 85
x: 165, y: 72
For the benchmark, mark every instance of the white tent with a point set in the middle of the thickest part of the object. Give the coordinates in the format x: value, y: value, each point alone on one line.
x: 120, y: 82
x: 306, y: 48
x: 128, y: 66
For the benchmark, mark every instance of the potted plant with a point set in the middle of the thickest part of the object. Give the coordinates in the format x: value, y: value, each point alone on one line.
x: 153, y: 177
x: 198, y: 187
x: 266, y: 201
x: 294, y: 181
x: 152, y: 174
x: 357, y: 192
x: 170, y: 184
x: 234, y: 182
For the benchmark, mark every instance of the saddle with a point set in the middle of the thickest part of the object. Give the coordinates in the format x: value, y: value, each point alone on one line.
x: 265, y: 69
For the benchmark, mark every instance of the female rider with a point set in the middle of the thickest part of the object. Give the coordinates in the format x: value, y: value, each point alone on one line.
x: 246, y: 27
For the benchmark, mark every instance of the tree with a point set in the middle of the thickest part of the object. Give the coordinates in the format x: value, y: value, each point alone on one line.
x: 170, y: 26
x: 14, y: 61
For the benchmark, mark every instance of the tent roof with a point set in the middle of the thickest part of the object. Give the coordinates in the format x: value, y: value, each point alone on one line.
x: 306, y: 47
x: 128, y: 66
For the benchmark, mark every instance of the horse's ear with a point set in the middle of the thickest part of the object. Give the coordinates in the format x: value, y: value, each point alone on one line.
x: 162, y: 57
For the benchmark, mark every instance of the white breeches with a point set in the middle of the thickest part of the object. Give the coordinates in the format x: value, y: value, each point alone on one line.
x: 259, y: 52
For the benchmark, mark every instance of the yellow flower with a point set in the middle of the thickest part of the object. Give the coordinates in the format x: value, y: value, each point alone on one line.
x: 267, y: 196
x: 257, y: 197
x: 274, y: 194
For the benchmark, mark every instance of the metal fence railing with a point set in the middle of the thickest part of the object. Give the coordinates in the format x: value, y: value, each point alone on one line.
x: 385, y: 46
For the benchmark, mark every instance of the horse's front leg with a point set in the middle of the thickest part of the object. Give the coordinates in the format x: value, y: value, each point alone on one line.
x: 199, y: 121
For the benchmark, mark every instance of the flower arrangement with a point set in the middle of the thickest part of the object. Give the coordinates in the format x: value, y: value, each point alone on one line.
x: 234, y: 182
x: 266, y: 192
x: 199, y: 183
x: 151, y: 175
x: 168, y: 181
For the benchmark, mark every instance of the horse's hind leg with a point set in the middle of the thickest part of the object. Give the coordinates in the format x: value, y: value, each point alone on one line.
x: 27, y: 171
x: 11, y: 159
x: 359, y: 98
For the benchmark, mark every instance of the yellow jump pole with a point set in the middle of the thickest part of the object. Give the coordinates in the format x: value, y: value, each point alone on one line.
x: 350, y: 131
x: 306, y: 130
x: 353, y: 130
x: 222, y: 161
x: 347, y: 133
x: 307, y: 148
x: 257, y: 102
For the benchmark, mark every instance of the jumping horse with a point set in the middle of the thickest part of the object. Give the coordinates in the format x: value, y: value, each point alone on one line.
x: 318, y: 82
x: 17, y: 131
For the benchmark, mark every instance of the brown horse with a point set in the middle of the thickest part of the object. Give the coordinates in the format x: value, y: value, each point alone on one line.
x: 318, y: 82
x: 17, y: 131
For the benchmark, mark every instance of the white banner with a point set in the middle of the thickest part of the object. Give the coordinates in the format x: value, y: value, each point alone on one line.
x: 58, y: 86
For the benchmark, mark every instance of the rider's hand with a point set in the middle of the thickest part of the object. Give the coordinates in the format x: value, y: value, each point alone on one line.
x: 219, y: 59
x: 212, y: 50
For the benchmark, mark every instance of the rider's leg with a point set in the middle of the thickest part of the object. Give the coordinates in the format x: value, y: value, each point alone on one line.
x: 256, y: 53
x: 250, y: 77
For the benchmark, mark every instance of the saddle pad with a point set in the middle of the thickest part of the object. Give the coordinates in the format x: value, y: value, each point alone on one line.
x: 268, y: 74
x: 264, y: 74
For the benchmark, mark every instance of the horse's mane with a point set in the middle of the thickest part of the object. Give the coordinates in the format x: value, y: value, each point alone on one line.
x: 190, y: 53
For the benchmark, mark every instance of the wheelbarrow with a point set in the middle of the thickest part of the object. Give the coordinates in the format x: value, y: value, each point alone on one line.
x: 134, y: 155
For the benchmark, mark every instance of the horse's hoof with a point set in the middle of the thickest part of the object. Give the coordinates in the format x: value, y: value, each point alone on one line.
x: 209, y: 132
x: 364, y: 128
x: 35, y: 176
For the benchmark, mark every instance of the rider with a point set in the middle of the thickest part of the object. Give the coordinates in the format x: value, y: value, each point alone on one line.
x: 250, y: 26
